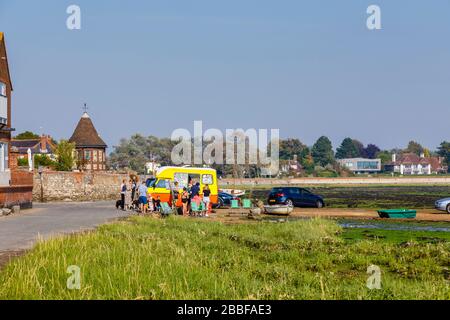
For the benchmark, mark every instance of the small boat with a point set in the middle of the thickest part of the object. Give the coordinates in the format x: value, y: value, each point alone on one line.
x: 398, y: 214
x: 279, y: 210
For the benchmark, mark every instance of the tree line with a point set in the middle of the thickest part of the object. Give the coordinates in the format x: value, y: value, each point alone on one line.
x: 320, y: 159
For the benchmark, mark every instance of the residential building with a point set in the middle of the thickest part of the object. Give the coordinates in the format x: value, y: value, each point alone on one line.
x: 361, y: 165
x: 16, y: 186
x: 5, y: 115
x: 40, y: 146
x: 90, y: 148
x: 412, y: 164
x: 291, y: 166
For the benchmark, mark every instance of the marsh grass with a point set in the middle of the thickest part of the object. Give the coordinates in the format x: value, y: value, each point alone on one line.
x: 177, y: 258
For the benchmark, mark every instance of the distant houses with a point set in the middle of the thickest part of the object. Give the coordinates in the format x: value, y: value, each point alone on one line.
x: 413, y: 164
x: 44, y: 145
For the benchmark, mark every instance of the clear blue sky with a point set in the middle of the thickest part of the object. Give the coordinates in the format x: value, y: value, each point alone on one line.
x: 310, y: 68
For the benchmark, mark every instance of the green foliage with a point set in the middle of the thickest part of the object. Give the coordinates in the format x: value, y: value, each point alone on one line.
x: 292, y: 147
x: 43, y: 160
x: 348, y: 149
x: 414, y: 147
x: 135, y: 152
x: 145, y: 258
x: 322, y: 152
x: 385, y: 156
x: 64, y: 153
x: 27, y: 135
x: 444, y: 151
x: 22, y: 162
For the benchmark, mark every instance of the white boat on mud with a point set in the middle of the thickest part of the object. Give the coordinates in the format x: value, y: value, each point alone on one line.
x: 234, y: 192
x: 279, y: 210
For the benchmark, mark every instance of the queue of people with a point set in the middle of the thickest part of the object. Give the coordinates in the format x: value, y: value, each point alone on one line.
x: 137, y: 197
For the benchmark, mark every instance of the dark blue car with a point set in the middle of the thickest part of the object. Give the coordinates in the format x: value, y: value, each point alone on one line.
x: 224, y: 200
x: 296, y: 197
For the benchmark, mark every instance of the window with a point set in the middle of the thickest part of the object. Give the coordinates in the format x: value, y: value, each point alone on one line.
x: 163, y: 184
x: 207, y: 179
x: 96, y: 156
x: 3, y: 104
x: 182, y: 179
x: 87, y: 155
x: 2, y: 89
x: 3, y: 156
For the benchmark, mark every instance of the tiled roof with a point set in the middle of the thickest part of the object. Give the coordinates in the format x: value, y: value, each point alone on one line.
x: 22, y: 146
x: 85, y: 134
x: 414, y: 159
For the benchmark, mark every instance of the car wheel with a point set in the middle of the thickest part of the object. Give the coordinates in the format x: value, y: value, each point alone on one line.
x: 319, y: 204
x: 289, y: 203
x: 448, y: 209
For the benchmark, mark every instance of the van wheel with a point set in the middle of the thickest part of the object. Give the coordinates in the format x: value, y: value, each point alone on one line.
x: 319, y: 204
x: 289, y: 203
x: 448, y: 209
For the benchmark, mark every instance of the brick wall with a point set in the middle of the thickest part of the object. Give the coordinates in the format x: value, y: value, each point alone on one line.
x: 21, y: 178
x: 16, y: 195
x: 78, y: 186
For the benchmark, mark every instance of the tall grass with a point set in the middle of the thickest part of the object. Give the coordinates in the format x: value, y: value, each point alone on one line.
x: 146, y: 258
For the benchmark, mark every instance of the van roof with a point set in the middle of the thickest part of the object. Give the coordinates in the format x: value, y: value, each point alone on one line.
x: 183, y: 169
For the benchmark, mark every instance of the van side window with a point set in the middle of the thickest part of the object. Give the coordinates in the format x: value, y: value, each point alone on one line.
x: 207, y: 179
x: 163, y: 184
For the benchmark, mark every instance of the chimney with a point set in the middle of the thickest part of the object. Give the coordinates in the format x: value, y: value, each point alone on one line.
x: 44, y: 143
x: 422, y: 155
x: 394, y: 157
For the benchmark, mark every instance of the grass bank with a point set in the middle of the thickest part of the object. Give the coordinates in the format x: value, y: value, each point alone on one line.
x: 145, y: 258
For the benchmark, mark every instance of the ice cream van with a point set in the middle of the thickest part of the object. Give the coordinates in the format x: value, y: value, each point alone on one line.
x: 170, y: 179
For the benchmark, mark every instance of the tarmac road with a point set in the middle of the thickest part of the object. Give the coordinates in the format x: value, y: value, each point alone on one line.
x: 19, y: 232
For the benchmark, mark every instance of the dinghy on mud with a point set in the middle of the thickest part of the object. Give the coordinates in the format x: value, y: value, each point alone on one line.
x: 279, y: 210
x: 398, y: 214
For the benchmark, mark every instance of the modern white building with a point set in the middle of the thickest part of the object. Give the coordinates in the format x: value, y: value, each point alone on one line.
x: 361, y: 165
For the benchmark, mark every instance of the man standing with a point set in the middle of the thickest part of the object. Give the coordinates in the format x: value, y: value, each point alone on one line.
x: 123, y: 192
x: 143, y: 197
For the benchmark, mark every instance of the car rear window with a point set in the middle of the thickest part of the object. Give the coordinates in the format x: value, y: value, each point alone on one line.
x: 277, y: 190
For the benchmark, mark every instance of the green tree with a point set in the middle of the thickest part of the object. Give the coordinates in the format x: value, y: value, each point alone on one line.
x: 359, y: 147
x: 348, y: 149
x: 414, y: 147
x: 444, y: 151
x: 292, y: 147
x: 136, y: 151
x: 385, y: 156
x: 27, y: 135
x: 43, y: 160
x: 64, y: 153
x: 322, y: 152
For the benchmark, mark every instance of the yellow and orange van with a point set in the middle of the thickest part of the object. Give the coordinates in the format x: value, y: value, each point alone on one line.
x: 167, y: 177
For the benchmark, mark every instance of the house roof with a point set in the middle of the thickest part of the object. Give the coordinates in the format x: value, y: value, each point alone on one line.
x: 22, y: 146
x: 414, y: 159
x: 85, y: 134
x: 2, y: 44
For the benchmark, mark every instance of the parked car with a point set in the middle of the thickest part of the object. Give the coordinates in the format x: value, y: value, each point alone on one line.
x: 443, y: 205
x: 224, y: 200
x: 296, y: 197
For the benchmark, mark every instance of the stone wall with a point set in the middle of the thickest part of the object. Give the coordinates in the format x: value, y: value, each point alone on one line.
x: 78, y: 186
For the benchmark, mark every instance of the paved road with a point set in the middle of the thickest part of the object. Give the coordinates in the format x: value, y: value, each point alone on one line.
x: 21, y: 231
